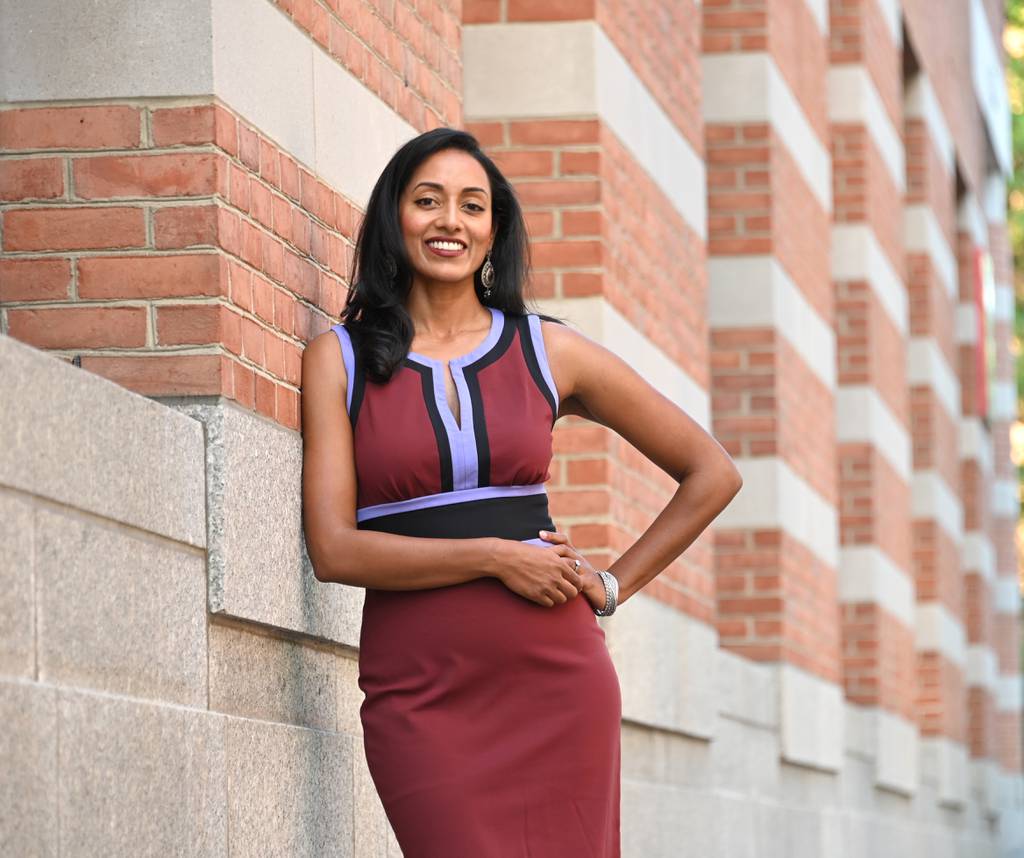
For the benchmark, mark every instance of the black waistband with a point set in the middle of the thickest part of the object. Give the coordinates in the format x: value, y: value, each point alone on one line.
x: 516, y: 517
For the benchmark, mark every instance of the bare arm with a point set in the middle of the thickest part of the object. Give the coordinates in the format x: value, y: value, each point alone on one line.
x: 340, y: 553
x: 596, y: 384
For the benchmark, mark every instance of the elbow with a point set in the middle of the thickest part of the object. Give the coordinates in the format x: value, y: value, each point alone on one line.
x: 733, y: 480
x: 322, y: 561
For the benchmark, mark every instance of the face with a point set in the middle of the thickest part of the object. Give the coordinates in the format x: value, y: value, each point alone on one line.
x: 445, y: 215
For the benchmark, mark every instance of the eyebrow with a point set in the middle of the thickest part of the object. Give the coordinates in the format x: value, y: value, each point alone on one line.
x: 439, y: 187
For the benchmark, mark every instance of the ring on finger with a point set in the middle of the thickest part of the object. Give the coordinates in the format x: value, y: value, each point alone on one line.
x: 576, y: 565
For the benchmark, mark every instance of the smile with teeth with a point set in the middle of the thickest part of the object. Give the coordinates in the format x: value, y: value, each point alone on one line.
x: 445, y: 247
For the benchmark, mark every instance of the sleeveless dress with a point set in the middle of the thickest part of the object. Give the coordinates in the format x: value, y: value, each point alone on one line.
x: 491, y: 724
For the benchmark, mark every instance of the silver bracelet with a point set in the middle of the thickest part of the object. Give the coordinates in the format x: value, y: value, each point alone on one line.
x: 611, y: 593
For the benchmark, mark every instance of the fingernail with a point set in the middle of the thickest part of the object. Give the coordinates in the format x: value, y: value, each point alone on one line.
x: 543, y: 533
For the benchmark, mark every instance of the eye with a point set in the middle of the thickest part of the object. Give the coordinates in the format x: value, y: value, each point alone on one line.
x: 424, y: 200
x: 476, y: 207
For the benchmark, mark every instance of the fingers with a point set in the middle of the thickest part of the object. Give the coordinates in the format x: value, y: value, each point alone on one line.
x: 554, y: 536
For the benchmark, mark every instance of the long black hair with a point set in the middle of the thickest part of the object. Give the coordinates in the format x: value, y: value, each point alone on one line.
x: 381, y: 277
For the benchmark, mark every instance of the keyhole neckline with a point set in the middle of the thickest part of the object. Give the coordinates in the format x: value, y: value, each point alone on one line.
x: 480, y: 349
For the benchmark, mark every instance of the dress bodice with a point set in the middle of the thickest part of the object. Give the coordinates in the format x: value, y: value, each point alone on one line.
x: 410, y: 452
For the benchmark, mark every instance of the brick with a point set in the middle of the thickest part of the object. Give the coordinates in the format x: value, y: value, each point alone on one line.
x: 240, y: 285
x: 289, y: 171
x: 544, y: 10
x: 273, y: 352
x: 248, y: 147
x: 260, y: 203
x: 262, y: 298
x: 539, y: 224
x: 238, y: 187
x: 99, y: 127
x: 588, y: 471
x: 581, y: 223
x: 300, y: 276
x: 181, y: 174
x: 273, y: 258
x: 79, y: 327
x: 179, y: 227
x: 183, y: 126
x: 487, y: 133
x: 287, y: 408
x: 160, y: 375
x: 252, y: 340
x: 84, y: 228
x: 577, y: 163
x: 245, y: 384
x: 225, y: 130
x: 558, y: 254
x: 560, y: 132
x: 31, y: 179
x: 578, y: 284
x: 525, y: 163
x: 284, y: 311
x: 252, y: 244
x: 134, y: 277
x: 34, y: 279
x: 266, y: 398
x: 578, y: 503
x: 556, y: 192
x: 187, y: 324
x: 229, y: 231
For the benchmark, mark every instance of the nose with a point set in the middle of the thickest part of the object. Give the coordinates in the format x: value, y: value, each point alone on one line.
x: 447, y: 215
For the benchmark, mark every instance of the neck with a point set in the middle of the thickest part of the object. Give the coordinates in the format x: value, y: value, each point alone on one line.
x: 443, y: 310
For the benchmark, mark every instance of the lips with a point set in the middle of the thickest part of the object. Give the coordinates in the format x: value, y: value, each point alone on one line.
x: 448, y: 247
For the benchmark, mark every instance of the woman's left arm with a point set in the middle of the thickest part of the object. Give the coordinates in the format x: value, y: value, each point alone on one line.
x: 598, y: 385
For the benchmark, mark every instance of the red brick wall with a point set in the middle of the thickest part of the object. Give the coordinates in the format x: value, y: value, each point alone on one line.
x: 183, y: 252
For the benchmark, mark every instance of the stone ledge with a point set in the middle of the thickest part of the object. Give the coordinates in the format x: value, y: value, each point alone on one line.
x: 71, y: 427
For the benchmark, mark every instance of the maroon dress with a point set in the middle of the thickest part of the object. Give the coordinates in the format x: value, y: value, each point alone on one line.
x: 490, y: 723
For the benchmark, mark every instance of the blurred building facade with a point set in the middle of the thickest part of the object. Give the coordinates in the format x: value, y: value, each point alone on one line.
x: 788, y: 216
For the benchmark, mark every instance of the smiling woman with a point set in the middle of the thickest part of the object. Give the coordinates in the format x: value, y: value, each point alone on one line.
x: 492, y: 708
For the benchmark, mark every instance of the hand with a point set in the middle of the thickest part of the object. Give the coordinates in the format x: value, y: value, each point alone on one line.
x: 547, y: 576
x: 592, y: 586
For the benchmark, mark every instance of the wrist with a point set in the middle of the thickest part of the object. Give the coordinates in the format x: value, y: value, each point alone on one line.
x: 491, y: 550
x: 610, y: 584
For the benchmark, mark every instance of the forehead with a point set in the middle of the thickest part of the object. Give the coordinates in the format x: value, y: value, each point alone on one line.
x: 452, y: 168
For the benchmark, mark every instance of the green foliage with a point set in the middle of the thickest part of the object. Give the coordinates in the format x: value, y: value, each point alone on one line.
x: 1013, y: 42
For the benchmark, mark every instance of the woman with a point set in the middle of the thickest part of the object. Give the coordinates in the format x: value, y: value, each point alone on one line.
x: 492, y: 709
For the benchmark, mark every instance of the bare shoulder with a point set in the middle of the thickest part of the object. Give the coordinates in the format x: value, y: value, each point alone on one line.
x: 322, y: 357
x: 323, y: 385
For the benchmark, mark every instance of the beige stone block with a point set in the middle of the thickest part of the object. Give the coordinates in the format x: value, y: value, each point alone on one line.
x: 84, y: 441
x: 119, y: 611
x: 257, y: 675
x: 290, y: 790
x: 350, y: 695
x: 28, y: 770
x: 17, y: 583
x: 745, y: 758
x: 746, y: 690
x: 140, y: 779
x: 258, y: 566
x: 675, y: 690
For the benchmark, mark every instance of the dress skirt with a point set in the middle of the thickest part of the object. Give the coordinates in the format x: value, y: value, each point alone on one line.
x: 491, y: 724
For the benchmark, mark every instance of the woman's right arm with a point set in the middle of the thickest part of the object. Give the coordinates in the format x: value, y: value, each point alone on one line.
x: 341, y: 553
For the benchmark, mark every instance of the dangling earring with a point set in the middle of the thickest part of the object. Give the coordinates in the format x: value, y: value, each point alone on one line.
x: 487, y: 275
